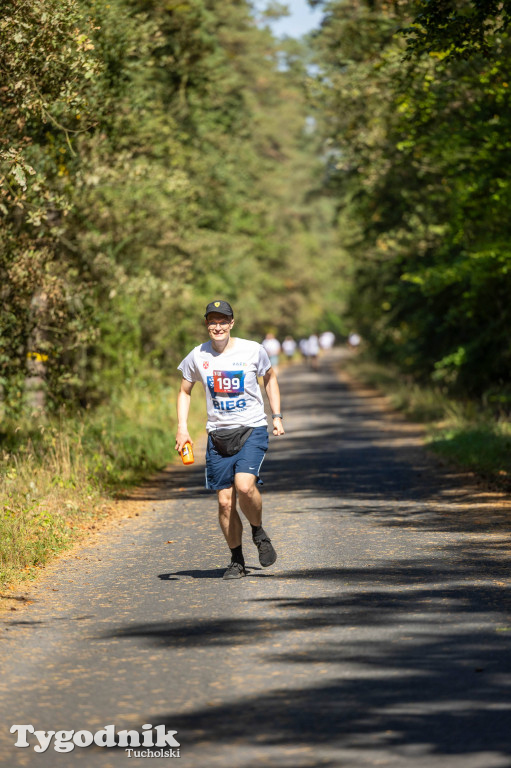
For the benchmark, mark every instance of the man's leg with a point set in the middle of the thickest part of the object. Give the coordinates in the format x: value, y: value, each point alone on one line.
x: 250, y: 499
x: 228, y: 517
x: 251, y: 505
x: 232, y: 528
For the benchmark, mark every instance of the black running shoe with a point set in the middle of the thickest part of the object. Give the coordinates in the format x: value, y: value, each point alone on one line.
x: 234, y: 571
x: 267, y: 554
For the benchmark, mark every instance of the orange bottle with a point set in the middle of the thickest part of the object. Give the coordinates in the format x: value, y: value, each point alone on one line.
x: 187, y: 453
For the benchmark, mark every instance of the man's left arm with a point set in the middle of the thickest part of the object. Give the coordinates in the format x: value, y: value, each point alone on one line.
x: 271, y: 385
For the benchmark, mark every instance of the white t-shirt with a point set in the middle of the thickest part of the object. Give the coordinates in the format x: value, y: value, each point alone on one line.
x: 272, y: 346
x: 233, y: 394
x: 326, y: 340
x: 313, y: 345
x: 289, y: 347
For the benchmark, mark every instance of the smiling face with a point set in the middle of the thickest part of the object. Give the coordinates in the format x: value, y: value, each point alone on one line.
x: 219, y: 326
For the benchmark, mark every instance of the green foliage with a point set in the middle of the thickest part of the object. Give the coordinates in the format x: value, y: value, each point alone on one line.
x: 46, y: 66
x: 485, y: 448
x: 418, y: 152
x: 153, y: 155
x: 56, y: 476
x: 460, y: 29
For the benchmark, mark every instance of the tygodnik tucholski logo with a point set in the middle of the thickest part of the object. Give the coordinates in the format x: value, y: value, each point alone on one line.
x: 152, y: 742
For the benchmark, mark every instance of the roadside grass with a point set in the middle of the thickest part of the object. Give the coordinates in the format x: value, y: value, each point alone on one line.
x: 59, y: 475
x: 462, y: 432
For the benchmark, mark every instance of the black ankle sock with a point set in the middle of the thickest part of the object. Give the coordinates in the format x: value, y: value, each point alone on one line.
x: 256, y: 528
x: 237, y: 555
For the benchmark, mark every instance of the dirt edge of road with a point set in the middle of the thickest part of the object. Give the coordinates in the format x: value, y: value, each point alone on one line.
x: 375, y: 399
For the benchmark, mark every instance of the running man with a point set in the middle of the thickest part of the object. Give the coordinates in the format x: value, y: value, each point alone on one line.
x: 228, y: 368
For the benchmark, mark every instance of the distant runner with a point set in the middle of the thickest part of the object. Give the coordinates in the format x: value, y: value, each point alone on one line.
x: 313, y: 350
x: 326, y: 340
x: 354, y: 340
x: 272, y: 347
x: 289, y: 347
x: 237, y: 427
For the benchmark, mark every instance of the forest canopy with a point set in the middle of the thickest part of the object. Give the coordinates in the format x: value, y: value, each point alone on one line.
x: 419, y: 130
x: 155, y: 155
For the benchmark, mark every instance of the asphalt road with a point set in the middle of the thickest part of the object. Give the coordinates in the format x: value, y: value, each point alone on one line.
x: 381, y: 636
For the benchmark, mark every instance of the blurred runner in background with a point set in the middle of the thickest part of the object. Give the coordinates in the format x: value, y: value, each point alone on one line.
x: 354, y: 340
x: 289, y: 347
x: 326, y: 340
x: 313, y: 351
x: 272, y: 347
x: 303, y: 345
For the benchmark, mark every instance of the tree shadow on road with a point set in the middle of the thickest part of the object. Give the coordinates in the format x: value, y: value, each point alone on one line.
x: 427, y: 672
x: 419, y: 663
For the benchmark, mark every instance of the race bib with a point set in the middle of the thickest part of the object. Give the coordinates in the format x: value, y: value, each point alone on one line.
x: 228, y: 382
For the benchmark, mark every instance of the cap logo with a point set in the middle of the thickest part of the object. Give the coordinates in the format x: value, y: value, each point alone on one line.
x: 217, y: 303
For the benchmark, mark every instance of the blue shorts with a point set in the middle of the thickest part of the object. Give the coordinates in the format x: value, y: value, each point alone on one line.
x: 220, y: 470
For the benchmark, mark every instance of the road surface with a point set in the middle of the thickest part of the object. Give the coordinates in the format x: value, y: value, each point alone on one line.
x: 381, y: 636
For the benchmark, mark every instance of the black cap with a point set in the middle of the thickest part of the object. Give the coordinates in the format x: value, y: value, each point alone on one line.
x: 222, y: 307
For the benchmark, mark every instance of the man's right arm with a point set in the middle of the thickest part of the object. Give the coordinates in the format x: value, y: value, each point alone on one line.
x: 183, y: 408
